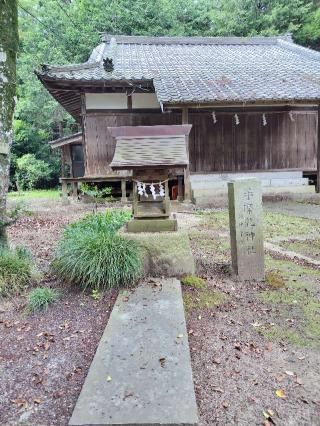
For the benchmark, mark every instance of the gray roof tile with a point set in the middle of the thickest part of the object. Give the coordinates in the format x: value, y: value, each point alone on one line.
x: 204, y: 70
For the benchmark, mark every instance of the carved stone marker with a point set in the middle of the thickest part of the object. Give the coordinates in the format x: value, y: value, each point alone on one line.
x: 246, y: 233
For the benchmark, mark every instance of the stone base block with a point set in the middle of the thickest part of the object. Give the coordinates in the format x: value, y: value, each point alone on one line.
x: 152, y: 225
x: 165, y: 254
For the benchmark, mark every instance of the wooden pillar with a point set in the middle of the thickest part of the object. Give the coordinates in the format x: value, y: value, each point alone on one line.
x: 123, y: 191
x: 75, y: 189
x: 180, y: 189
x: 63, y: 161
x: 135, y: 199
x: 318, y: 154
x: 166, y: 198
x: 64, y: 190
x: 187, y: 185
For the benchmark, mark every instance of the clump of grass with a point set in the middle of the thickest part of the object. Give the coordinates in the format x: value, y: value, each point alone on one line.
x: 194, y: 281
x: 41, y: 297
x: 16, y: 271
x: 91, y: 255
x: 275, y: 280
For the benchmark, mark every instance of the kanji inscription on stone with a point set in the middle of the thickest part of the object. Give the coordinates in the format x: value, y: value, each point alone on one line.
x: 246, y: 229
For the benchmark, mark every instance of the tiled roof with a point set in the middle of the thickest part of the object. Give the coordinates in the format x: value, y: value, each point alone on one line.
x: 204, y: 70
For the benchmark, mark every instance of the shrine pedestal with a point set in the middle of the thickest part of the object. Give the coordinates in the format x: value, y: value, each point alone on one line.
x: 152, y: 225
x: 165, y: 254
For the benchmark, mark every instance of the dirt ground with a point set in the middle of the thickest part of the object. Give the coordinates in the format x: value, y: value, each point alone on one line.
x: 255, y: 347
x: 44, y: 357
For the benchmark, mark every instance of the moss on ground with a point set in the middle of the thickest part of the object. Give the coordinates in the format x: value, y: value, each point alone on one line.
x: 194, y: 281
x: 274, y: 279
x: 282, y: 225
x: 310, y: 248
x: 298, y: 300
x: 275, y: 224
x: 201, y: 296
x: 214, y: 245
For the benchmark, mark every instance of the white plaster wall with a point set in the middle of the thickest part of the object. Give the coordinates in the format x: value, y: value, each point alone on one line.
x: 119, y: 100
x: 106, y: 101
x: 145, y: 100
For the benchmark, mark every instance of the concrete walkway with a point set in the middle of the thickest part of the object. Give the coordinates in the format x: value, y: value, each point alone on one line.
x: 141, y: 373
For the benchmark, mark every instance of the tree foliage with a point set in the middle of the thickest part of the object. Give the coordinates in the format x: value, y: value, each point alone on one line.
x: 31, y: 172
x: 65, y: 31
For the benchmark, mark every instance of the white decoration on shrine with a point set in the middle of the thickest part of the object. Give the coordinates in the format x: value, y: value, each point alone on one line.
x: 153, y: 191
x: 142, y: 189
x: 214, y: 118
x: 145, y: 190
x: 236, y: 118
x: 161, y: 190
x: 264, y: 120
x: 291, y: 116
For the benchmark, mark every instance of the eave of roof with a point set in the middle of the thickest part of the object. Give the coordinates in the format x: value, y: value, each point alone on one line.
x: 66, y: 140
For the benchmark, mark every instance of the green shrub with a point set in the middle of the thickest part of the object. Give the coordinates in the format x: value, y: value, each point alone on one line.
x: 110, y: 222
x: 41, y: 297
x: 16, y: 270
x: 31, y: 172
x: 92, y: 255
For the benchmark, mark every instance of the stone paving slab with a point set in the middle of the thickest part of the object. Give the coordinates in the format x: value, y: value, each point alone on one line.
x: 141, y: 373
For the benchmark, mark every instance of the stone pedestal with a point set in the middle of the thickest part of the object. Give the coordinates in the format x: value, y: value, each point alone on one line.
x: 246, y: 231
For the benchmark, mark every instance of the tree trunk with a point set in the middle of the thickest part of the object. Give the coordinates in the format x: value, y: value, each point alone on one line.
x: 8, y: 55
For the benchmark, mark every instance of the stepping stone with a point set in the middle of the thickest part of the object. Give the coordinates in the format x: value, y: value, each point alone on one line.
x: 141, y: 373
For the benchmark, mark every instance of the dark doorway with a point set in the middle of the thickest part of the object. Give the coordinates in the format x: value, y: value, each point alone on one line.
x: 77, y: 160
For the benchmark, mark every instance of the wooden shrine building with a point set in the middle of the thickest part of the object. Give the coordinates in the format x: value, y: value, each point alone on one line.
x: 253, y: 104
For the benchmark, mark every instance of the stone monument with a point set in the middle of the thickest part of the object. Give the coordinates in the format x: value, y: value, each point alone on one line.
x: 246, y: 230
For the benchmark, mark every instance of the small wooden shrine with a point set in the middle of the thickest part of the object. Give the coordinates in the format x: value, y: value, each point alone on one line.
x: 152, y: 153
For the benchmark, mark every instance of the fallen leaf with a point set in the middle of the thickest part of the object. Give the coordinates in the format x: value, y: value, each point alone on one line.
x: 225, y: 404
x: 37, y: 400
x: 162, y: 362
x: 280, y: 378
x: 289, y: 373
x: 180, y: 336
x: 299, y: 381
x: 125, y: 299
x: 216, y: 361
x: 280, y: 393
x: 20, y: 402
x: 58, y: 394
x: 109, y: 378
x: 37, y: 379
x: 199, y: 317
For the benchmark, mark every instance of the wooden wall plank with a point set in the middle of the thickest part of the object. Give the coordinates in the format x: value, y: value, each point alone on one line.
x: 217, y: 147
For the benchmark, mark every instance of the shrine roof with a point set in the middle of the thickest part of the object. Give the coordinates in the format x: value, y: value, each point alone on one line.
x: 199, y: 70
x: 136, y: 152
